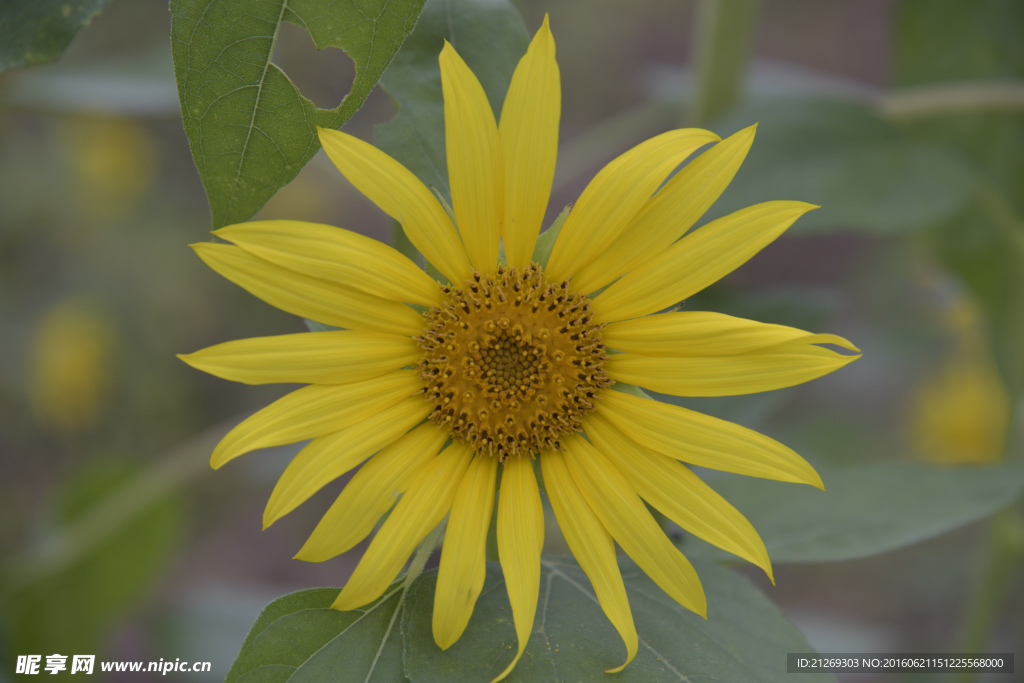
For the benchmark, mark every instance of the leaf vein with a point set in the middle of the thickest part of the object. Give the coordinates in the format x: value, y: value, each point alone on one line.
x: 256, y: 104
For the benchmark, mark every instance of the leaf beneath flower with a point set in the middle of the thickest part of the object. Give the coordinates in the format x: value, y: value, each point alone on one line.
x: 745, y: 638
x: 866, y: 510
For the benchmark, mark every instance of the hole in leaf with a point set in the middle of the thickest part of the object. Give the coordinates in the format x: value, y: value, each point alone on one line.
x: 323, y: 76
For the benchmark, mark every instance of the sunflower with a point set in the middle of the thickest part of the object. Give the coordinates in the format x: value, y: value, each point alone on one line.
x: 512, y: 365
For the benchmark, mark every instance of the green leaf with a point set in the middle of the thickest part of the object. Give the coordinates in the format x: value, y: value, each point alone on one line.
x: 401, y: 242
x: 71, y: 611
x: 37, y: 32
x: 489, y: 35
x: 546, y: 240
x: 314, y: 326
x: 434, y: 273
x: 866, y: 510
x: 744, y: 638
x: 249, y: 128
x: 867, y: 174
x: 299, y: 638
x: 944, y: 40
x: 631, y: 389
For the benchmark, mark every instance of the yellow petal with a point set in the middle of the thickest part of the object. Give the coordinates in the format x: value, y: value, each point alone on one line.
x: 309, y: 297
x: 475, y: 170
x: 372, y: 492
x: 678, y: 493
x: 783, y: 365
x: 421, y: 509
x: 615, y: 196
x: 402, y: 196
x: 529, y: 145
x: 334, y: 357
x: 460, y: 577
x: 696, y: 261
x: 315, y: 411
x: 328, y: 457
x: 670, y: 213
x: 330, y: 253
x: 704, y: 440
x: 624, y: 515
x: 592, y: 546
x: 701, y: 333
x: 520, y: 538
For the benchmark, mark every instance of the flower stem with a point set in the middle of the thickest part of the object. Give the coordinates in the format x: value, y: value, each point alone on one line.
x: 1004, y: 553
x: 951, y: 99
x: 58, y: 551
x: 724, y: 33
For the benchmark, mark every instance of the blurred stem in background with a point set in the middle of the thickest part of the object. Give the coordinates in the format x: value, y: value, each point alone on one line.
x: 723, y: 32
x: 923, y: 101
x: 723, y: 39
x: 1001, y: 559
x: 56, y: 552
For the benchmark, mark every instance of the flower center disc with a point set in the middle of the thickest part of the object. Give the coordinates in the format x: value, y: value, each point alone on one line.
x: 512, y: 362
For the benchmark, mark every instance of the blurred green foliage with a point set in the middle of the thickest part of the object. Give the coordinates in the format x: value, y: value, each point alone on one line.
x: 946, y: 41
x: 867, y: 174
x: 71, y: 610
x: 37, y: 32
x: 869, y: 509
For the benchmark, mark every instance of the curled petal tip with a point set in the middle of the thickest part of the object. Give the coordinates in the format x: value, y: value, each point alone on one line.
x: 217, y: 460
x: 629, y: 658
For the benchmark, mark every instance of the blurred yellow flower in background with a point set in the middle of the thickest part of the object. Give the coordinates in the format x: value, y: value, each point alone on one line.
x: 69, y: 368
x: 961, y: 413
x: 113, y: 162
